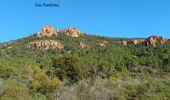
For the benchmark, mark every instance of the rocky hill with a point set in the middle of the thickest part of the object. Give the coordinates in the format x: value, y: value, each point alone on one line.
x: 64, y: 64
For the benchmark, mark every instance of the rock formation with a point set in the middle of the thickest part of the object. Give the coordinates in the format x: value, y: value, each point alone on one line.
x: 136, y: 41
x: 47, y: 30
x: 73, y: 32
x: 153, y: 40
x: 132, y: 42
x: 82, y: 45
x: 125, y: 43
x: 46, y: 44
x: 103, y: 44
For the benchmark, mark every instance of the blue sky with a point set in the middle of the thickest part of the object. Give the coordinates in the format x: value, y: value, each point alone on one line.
x: 113, y: 18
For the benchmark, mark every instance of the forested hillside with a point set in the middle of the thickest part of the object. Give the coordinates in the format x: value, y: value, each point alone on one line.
x: 67, y: 64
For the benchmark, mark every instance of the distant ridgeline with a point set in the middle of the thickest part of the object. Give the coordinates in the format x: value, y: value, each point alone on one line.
x: 49, y: 31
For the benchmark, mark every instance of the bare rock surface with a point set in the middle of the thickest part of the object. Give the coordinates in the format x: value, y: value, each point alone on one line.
x: 46, y: 44
x: 82, y: 44
x: 73, y: 32
x: 47, y: 30
x: 153, y: 40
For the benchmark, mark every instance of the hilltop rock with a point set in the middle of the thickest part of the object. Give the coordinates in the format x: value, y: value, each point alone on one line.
x: 73, y: 32
x: 46, y: 44
x: 153, y: 40
x: 47, y: 30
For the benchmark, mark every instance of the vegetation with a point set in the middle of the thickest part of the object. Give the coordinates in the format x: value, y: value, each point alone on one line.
x: 67, y: 67
x: 113, y: 72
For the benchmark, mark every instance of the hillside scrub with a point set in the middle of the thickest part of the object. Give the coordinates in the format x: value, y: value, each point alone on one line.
x: 112, y: 71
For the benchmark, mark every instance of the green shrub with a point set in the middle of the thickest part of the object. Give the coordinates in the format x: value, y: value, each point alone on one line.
x: 40, y: 82
x: 1, y: 86
x: 67, y: 68
x: 14, y: 91
x: 87, y: 90
x: 5, y: 72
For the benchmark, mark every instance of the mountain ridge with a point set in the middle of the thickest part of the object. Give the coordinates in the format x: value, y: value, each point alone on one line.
x: 40, y: 33
x: 48, y: 30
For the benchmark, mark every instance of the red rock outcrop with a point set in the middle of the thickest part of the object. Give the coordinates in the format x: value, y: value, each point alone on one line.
x: 73, y: 32
x: 46, y: 44
x: 103, y: 44
x: 125, y: 43
x: 47, y: 30
x: 136, y: 41
x: 153, y: 40
x: 82, y: 45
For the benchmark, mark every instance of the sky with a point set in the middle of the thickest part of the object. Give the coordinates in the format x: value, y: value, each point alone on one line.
x: 111, y: 18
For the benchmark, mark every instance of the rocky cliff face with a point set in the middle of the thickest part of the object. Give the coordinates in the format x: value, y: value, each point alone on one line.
x: 47, y: 30
x: 73, y: 32
x: 153, y: 40
x: 46, y: 44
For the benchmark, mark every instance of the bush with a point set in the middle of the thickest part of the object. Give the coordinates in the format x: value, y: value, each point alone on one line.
x: 1, y: 86
x: 14, y: 91
x: 67, y: 68
x: 5, y: 72
x: 88, y: 90
x: 40, y: 82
